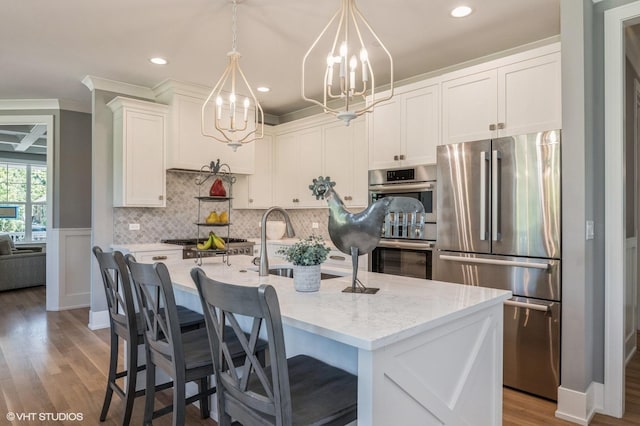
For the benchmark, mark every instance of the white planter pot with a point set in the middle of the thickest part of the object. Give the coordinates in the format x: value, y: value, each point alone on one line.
x: 306, y: 278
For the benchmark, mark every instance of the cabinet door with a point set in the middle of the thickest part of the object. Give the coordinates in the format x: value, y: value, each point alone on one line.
x: 469, y: 107
x: 189, y: 149
x: 360, y: 191
x: 421, y: 125
x: 298, y: 160
x: 529, y: 94
x: 143, y: 151
x: 384, y: 134
x: 261, y: 181
x: 339, y: 153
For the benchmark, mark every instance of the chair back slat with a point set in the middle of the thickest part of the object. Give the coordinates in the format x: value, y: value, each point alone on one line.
x: 158, y: 306
x: 118, y: 290
x: 252, y: 395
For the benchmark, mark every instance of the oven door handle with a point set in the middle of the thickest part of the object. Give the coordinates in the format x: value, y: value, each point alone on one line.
x: 407, y: 187
x: 405, y: 245
x: 543, y: 266
x: 534, y: 306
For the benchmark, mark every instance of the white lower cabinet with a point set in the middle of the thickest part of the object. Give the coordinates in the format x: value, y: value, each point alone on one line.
x: 298, y: 160
x: 139, y: 141
x: 150, y: 253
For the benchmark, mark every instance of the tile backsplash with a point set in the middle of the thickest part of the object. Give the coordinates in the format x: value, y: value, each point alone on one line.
x: 177, y: 219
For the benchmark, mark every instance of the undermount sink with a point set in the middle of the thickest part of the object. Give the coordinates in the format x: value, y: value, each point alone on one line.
x: 288, y: 272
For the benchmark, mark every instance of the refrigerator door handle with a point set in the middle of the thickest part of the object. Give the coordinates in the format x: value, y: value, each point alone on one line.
x: 534, y: 306
x: 495, y: 196
x: 544, y: 266
x: 483, y: 195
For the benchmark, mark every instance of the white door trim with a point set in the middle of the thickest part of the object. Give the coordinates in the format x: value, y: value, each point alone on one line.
x: 52, y: 280
x: 614, y: 366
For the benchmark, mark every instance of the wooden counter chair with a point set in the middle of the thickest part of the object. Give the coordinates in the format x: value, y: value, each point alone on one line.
x: 296, y: 391
x: 182, y: 356
x: 128, y: 325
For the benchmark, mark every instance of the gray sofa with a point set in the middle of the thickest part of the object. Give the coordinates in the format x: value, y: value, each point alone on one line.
x: 21, y: 267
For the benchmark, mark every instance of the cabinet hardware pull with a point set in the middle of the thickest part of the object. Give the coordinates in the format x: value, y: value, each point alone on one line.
x: 336, y: 257
x: 159, y: 258
x: 251, y: 200
x: 395, y: 157
x: 500, y: 125
x: 492, y: 126
x: 402, y: 156
x: 160, y: 197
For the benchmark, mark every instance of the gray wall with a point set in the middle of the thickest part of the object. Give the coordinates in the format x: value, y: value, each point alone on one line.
x: 583, y: 191
x: 72, y: 181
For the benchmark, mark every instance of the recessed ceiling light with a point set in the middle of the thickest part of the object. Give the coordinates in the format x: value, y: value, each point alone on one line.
x: 461, y: 11
x: 264, y: 89
x: 158, y: 61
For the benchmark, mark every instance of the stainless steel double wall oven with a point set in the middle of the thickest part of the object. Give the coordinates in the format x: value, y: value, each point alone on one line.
x: 406, y: 246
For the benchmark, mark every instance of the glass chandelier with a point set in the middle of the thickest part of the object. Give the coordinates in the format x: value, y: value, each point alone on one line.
x: 348, y: 72
x: 235, y: 103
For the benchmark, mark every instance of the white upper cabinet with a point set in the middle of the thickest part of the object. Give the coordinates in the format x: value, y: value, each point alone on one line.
x: 298, y: 160
x: 188, y: 148
x: 405, y: 130
x: 256, y: 191
x: 345, y: 160
x: 139, y: 139
x: 514, y: 95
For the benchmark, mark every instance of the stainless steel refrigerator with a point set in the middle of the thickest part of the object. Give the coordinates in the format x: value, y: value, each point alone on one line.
x: 499, y: 226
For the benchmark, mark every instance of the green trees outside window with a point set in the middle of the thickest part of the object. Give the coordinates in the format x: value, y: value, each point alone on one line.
x: 25, y: 187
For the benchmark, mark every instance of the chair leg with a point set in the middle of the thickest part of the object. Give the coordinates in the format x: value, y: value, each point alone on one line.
x: 179, y: 404
x: 150, y: 391
x: 203, y: 386
x: 113, y: 368
x: 132, y: 376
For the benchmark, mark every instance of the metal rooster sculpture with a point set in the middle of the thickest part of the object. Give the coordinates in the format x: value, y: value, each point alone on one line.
x: 358, y: 233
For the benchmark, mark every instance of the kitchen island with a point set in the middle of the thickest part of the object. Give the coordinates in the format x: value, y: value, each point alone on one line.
x: 425, y: 352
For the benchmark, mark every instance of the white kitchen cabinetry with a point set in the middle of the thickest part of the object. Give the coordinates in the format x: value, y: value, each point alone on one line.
x: 345, y: 160
x: 256, y: 191
x: 139, y: 140
x: 405, y: 130
x: 149, y: 253
x: 515, y: 95
x: 298, y: 160
x: 187, y: 147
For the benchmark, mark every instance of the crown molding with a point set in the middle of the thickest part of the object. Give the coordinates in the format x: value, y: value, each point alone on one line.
x: 99, y: 83
x: 29, y: 104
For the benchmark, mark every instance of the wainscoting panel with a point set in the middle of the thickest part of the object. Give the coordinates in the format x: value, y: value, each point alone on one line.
x: 68, y: 268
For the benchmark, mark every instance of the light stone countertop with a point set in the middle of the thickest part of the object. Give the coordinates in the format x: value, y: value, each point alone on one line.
x: 404, y: 307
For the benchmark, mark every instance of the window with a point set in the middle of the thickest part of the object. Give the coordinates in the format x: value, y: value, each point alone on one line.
x: 24, y: 187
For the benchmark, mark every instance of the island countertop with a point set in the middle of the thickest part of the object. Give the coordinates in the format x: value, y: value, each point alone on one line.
x: 404, y: 307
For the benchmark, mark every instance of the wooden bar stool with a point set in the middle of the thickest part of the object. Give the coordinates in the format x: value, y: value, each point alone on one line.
x: 296, y: 391
x: 128, y: 325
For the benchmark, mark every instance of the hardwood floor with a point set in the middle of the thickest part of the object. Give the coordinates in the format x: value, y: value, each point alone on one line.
x: 50, y: 362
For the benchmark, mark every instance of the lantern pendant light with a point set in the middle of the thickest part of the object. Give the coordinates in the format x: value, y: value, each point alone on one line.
x: 236, y: 114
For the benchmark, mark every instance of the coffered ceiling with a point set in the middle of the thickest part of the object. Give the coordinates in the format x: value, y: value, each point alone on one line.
x: 49, y: 46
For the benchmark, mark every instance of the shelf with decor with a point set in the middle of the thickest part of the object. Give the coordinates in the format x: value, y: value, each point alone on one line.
x: 219, y: 193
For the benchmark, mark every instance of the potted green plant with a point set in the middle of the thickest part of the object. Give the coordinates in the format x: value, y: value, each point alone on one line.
x: 306, y: 256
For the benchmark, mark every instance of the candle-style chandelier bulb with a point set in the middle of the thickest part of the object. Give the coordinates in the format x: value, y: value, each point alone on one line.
x: 227, y: 126
x: 349, y: 74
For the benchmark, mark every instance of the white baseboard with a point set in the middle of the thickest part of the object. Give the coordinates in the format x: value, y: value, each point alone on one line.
x: 580, y: 407
x: 98, y: 320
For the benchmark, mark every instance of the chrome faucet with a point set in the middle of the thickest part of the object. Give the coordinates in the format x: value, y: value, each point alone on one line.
x: 264, y: 261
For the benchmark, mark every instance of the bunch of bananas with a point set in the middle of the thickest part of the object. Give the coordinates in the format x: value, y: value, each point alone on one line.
x: 213, y: 242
